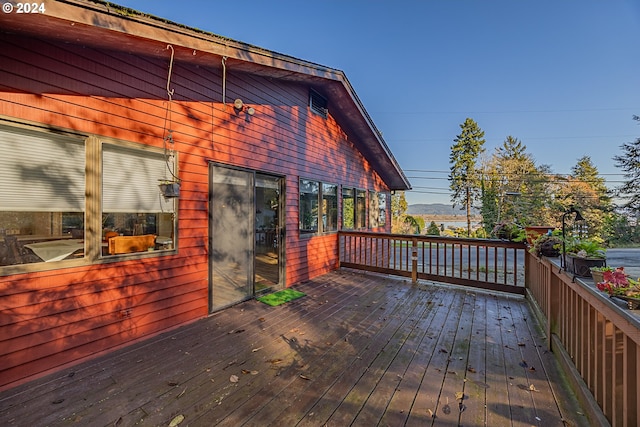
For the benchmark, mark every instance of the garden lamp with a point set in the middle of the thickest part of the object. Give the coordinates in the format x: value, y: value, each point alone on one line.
x: 578, y: 217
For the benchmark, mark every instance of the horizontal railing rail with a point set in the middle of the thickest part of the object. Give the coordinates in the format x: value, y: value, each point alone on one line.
x: 483, y: 263
x: 599, y: 337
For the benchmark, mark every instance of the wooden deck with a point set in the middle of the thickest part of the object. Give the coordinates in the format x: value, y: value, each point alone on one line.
x: 359, y: 349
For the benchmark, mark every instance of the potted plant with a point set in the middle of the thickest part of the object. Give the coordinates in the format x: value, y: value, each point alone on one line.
x: 598, y: 273
x: 548, y: 245
x: 583, y: 254
x: 507, y: 230
x: 617, y: 284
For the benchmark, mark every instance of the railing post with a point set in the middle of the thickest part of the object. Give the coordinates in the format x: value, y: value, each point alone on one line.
x: 414, y: 261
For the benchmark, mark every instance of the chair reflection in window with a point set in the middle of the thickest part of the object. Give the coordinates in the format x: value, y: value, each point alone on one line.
x: 17, y: 254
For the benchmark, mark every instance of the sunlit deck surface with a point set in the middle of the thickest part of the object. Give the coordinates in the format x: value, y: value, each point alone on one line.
x: 359, y: 349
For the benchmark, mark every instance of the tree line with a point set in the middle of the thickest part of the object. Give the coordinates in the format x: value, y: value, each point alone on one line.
x: 508, y: 186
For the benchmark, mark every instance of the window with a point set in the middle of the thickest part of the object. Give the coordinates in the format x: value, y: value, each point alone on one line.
x: 348, y: 208
x: 377, y: 209
x: 318, y: 104
x: 373, y: 209
x: 382, y: 206
x: 361, y: 209
x: 329, y: 207
x: 42, y: 196
x: 318, y: 200
x: 309, y: 191
x: 43, y: 200
x: 354, y: 208
x: 132, y: 204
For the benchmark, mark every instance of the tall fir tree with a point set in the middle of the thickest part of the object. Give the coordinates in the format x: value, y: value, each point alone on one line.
x: 464, y: 176
x: 629, y: 162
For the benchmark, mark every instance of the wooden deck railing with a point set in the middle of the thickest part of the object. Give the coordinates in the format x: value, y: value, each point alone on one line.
x: 598, y: 337
x: 489, y: 264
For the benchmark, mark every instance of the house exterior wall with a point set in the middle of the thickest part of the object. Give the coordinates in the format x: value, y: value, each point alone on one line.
x: 51, y: 317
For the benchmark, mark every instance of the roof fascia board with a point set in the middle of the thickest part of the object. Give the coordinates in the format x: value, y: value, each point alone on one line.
x: 128, y: 22
x: 133, y: 23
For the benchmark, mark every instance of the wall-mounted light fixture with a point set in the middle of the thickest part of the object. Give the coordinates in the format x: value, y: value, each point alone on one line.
x: 239, y: 106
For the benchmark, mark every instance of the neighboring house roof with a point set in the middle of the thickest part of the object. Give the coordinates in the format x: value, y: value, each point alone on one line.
x: 105, y: 25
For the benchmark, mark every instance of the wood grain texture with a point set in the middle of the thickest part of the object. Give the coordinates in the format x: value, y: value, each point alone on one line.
x: 358, y: 349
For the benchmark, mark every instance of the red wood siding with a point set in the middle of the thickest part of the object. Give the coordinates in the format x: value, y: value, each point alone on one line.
x: 56, y: 317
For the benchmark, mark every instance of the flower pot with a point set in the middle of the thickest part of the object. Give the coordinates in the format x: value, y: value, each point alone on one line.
x: 581, y: 267
x: 548, y: 248
x: 598, y: 276
x: 533, y: 232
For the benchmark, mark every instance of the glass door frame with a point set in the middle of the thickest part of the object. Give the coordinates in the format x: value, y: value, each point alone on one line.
x: 281, y: 235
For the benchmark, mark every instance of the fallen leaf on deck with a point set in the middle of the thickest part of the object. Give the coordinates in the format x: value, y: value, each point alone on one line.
x: 177, y: 420
x: 57, y: 401
x: 533, y: 388
x: 459, y: 395
x: 532, y: 368
x: 442, y: 350
x: 172, y: 384
x: 305, y: 377
x: 472, y: 370
x: 262, y: 319
x: 183, y: 392
x: 430, y: 412
x: 256, y: 349
x: 521, y: 344
x: 275, y: 361
x: 233, y: 378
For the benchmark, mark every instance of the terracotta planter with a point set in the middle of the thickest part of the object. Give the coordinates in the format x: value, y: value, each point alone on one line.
x: 536, y: 231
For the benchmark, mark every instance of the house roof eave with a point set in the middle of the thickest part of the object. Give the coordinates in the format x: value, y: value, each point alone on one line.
x: 105, y: 25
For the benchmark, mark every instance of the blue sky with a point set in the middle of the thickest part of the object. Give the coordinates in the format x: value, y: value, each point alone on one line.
x: 561, y: 76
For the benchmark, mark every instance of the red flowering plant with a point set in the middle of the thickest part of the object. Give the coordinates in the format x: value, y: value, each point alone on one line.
x: 617, y: 283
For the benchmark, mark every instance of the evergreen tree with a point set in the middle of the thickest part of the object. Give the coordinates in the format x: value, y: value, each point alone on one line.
x: 629, y: 162
x: 464, y: 177
x: 514, y: 189
x: 433, y: 229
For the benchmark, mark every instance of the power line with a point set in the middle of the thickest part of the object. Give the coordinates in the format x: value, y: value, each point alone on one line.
x: 447, y: 172
x: 570, y: 110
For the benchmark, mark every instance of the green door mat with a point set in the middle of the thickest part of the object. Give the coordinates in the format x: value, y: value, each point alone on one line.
x: 281, y: 297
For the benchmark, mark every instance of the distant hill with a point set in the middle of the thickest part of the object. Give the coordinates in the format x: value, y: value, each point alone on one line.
x: 436, y: 209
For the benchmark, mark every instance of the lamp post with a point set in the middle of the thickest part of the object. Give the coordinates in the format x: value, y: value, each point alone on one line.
x: 578, y: 217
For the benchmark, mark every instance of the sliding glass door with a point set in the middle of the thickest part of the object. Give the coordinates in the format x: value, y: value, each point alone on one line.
x: 246, y: 248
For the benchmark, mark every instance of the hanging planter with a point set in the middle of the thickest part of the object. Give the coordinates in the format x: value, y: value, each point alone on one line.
x: 170, y: 189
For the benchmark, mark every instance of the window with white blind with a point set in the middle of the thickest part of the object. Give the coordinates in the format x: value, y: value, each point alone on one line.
x: 132, y: 204
x: 42, y: 196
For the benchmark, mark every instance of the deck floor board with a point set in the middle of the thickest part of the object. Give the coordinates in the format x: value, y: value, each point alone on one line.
x: 359, y: 349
